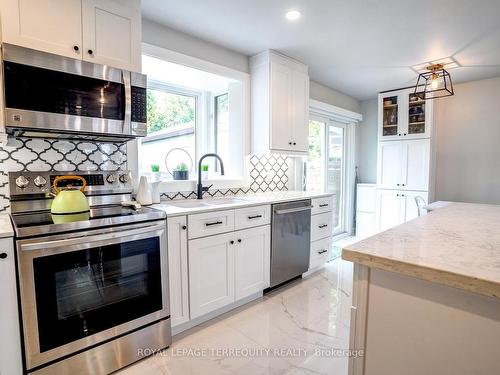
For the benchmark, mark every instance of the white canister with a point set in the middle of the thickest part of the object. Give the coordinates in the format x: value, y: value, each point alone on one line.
x: 155, y: 191
x: 144, y: 195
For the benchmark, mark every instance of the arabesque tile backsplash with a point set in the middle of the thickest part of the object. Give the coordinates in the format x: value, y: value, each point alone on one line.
x: 267, y: 172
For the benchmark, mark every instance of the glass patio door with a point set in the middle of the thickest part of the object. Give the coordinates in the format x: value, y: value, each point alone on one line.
x: 325, y: 166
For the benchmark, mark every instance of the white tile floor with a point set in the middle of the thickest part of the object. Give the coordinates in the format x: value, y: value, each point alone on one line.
x: 292, y: 330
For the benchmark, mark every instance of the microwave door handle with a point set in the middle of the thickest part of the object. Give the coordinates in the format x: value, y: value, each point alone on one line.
x: 127, y: 121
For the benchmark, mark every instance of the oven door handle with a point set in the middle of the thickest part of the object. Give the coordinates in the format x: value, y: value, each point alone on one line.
x: 99, y: 239
x: 127, y: 121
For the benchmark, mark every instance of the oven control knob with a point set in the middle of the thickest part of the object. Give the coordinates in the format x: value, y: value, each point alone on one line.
x: 124, y: 178
x: 39, y: 181
x: 111, y: 178
x: 22, y: 182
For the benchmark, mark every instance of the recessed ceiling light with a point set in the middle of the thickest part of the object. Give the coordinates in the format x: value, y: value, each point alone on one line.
x: 293, y: 15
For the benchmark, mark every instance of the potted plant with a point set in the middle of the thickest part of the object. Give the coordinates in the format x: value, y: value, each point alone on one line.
x: 204, y: 171
x: 181, y: 172
x: 155, y: 172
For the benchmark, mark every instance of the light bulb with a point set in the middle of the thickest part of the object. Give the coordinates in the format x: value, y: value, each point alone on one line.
x: 434, y: 81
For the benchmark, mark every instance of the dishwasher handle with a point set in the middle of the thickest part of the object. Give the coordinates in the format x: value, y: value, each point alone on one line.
x: 291, y: 210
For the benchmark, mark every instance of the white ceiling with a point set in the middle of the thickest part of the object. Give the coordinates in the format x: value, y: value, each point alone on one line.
x: 359, y: 47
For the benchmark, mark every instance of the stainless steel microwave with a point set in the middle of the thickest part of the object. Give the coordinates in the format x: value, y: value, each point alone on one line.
x: 47, y: 95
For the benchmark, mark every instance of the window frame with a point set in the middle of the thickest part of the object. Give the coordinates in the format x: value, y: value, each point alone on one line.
x: 232, y: 180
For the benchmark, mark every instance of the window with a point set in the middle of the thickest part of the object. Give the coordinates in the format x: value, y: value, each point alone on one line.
x: 171, y: 124
x: 194, y: 111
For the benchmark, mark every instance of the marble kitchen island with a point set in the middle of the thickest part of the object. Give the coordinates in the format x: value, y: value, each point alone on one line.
x: 426, y: 295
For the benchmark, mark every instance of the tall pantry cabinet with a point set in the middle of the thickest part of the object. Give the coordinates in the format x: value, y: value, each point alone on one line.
x: 403, y: 156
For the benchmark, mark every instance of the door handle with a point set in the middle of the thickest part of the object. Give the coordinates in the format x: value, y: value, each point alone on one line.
x: 324, y: 205
x: 322, y: 251
x: 322, y: 226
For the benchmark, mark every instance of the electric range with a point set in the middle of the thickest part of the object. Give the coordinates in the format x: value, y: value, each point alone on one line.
x: 93, y: 292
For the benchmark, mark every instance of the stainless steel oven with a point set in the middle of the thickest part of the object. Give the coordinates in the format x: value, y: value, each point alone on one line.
x: 83, y: 294
x: 47, y: 95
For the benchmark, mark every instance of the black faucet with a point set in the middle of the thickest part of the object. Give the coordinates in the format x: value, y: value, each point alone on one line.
x: 199, y: 188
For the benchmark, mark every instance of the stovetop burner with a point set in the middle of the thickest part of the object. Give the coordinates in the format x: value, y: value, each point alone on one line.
x: 42, y: 223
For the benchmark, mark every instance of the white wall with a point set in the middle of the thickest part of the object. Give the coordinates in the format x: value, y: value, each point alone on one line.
x: 468, y: 143
x: 163, y: 36
x: 366, y: 142
x: 328, y: 95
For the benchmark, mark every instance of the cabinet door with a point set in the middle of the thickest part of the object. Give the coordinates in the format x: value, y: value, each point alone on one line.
x: 416, y: 159
x: 300, y: 112
x: 390, y: 209
x: 178, y: 270
x: 390, y: 116
x: 211, y: 273
x: 10, y: 341
x: 281, y: 113
x: 112, y: 34
x: 419, y: 116
x: 53, y: 26
x: 390, y: 163
x: 252, y: 260
x: 411, y: 210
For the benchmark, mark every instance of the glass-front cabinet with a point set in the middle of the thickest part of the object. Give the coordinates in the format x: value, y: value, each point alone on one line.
x: 404, y: 115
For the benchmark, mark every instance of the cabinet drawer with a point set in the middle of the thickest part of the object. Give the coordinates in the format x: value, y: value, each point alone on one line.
x: 321, y: 226
x: 210, y: 223
x: 320, y: 205
x: 319, y: 252
x: 252, y: 216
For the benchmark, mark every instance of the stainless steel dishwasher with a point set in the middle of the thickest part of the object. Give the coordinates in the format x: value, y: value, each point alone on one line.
x: 290, y: 240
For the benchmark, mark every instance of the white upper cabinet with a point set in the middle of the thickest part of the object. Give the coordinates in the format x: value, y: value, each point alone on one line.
x: 403, y: 115
x: 280, y: 104
x: 404, y: 165
x: 111, y: 34
x: 53, y: 26
x: 102, y: 31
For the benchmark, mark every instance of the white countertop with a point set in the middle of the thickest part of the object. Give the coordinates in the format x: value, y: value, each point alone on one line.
x: 6, y: 229
x: 457, y: 245
x: 242, y: 201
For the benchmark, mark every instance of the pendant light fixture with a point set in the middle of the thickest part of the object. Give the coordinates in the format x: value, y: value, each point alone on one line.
x: 434, y: 83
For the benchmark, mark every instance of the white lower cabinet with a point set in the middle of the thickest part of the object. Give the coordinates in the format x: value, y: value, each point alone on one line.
x: 395, y: 207
x: 227, y: 267
x: 252, y: 261
x: 178, y: 270
x: 211, y: 273
x: 10, y: 340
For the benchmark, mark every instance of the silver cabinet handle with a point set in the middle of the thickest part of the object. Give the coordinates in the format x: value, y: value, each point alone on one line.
x: 290, y: 210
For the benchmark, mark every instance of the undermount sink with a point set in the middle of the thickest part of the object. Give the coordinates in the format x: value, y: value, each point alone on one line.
x: 217, y: 202
x: 189, y: 204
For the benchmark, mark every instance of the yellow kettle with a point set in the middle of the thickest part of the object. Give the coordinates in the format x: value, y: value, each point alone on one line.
x: 69, y: 204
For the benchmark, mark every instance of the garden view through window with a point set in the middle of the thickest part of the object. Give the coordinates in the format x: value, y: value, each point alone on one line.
x: 189, y: 113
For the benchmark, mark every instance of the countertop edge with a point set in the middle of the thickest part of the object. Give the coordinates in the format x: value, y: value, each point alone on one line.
x: 459, y: 281
x: 6, y: 230
x: 232, y: 206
